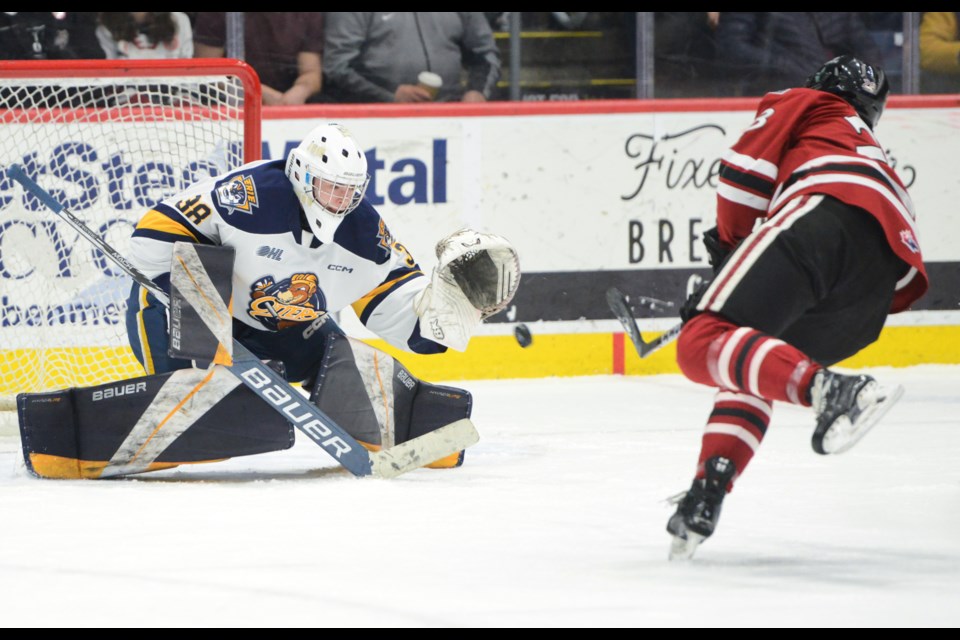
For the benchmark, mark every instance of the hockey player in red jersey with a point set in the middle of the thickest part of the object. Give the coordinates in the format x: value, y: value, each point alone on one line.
x: 815, y: 244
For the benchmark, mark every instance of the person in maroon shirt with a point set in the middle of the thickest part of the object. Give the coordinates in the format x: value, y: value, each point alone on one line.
x: 284, y: 47
x: 815, y: 244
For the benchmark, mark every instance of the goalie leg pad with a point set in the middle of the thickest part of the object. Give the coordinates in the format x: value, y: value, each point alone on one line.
x: 434, y: 406
x: 147, y: 332
x: 138, y: 425
x: 379, y: 402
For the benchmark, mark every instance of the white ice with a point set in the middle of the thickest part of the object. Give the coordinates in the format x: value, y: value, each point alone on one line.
x: 555, y: 520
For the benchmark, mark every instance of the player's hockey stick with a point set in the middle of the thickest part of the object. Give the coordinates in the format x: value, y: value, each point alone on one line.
x: 618, y: 304
x: 276, y: 392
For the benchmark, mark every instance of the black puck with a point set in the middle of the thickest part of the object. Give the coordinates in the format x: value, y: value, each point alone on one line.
x: 522, y: 333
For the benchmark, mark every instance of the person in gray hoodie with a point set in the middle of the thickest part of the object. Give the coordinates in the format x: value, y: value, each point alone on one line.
x: 373, y: 56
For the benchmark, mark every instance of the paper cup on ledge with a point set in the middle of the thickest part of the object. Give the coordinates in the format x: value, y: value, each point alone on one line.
x: 431, y: 82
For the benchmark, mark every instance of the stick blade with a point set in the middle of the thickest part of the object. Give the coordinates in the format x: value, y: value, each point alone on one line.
x: 618, y: 305
x: 615, y: 300
x: 620, y: 308
x: 421, y: 451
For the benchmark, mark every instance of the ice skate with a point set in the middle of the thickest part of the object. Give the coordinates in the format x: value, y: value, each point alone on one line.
x: 699, y: 508
x: 847, y: 408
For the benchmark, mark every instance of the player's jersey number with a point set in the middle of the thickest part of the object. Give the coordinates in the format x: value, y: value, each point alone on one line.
x: 194, y: 210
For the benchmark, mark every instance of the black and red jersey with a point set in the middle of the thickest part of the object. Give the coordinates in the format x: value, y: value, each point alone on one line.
x: 805, y: 141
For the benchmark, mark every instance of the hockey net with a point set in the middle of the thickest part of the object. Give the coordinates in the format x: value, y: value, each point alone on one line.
x: 108, y: 139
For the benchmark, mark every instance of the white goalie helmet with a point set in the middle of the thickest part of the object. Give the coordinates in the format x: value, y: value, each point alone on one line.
x: 329, y: 175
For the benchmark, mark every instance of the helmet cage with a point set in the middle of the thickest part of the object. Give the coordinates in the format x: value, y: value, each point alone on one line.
x: 337, y: 195
x: 328, y: 171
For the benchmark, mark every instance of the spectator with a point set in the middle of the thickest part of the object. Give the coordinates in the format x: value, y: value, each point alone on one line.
x: 886, y: 29
x: 939, y: 52
x: 883, y: 20
x: 767, y: 51
x: 684, y: 53
x: 569, y: 20
x: 145, y: 34
x: 376, y: 56
x: 284, y: 47
x: 46, y: 35
x: 499, y: 20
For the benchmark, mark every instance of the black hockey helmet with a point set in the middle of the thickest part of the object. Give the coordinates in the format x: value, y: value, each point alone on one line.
x: 863, y: 85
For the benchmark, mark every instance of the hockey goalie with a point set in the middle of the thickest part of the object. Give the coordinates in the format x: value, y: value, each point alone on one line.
x: 284, y: 245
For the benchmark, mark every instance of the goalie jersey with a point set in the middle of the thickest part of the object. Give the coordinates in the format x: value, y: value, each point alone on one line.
x: 805, y: 141
x: 284, y: 279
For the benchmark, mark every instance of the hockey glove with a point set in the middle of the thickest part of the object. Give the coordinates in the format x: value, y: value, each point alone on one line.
x: 696, y: 287
x: 477, y: 276
x: 716, y: 252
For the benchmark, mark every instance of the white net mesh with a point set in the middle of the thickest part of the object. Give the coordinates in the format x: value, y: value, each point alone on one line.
x: 107, y: 148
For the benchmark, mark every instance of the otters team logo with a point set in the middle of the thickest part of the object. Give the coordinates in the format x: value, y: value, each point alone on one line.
x: 290, y: 302
x: 239, y: 194
x: 384, y: 237
x: 388, y: 243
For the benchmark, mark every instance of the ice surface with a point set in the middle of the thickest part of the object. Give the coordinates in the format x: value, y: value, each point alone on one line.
x: 556, y: 519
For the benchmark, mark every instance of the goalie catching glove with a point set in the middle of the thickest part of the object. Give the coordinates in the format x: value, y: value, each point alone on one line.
x: 477, y: 276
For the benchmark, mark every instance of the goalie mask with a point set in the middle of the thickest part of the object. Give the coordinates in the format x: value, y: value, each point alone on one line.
x: 329, y: 175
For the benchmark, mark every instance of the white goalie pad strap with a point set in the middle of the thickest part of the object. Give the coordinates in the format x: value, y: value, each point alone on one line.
x: 484, y: 266
x: 446, y: 316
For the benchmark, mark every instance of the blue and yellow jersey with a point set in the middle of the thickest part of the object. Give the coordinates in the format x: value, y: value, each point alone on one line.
x: 283, y: 277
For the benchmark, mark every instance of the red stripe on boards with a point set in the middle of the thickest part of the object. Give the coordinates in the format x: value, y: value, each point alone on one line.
x: 618, y: 354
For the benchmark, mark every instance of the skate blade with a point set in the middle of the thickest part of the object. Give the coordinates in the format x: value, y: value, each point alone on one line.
x: 843, y: 434
x: 683, y: 549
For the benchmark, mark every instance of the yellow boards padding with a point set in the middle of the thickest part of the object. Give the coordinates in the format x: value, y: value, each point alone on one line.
x: 584, y: 354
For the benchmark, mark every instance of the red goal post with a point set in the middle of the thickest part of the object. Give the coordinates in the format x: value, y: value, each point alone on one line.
x: 107, y: 138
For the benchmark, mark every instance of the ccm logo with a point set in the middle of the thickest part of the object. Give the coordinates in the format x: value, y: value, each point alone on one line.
x: 116, y: 392
x: 290, y: 407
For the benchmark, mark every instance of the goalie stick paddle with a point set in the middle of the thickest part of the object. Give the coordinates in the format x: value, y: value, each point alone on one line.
x: 618, y: 304
x: 278, y: 394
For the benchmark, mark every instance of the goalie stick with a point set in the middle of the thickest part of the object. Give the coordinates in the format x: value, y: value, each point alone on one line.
x: 618, y: 304
x: 278, y: 394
